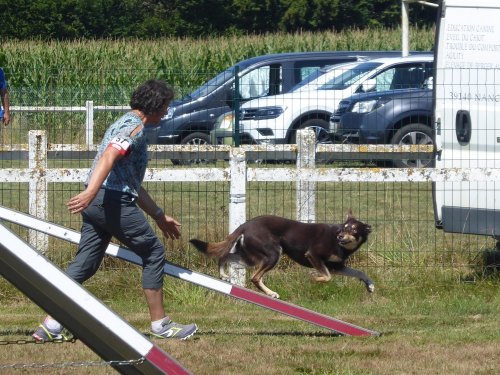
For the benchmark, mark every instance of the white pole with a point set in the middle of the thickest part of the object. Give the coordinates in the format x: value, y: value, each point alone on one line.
x: 89, y: 122
x: 404, y: 29
x: 237, y: 205
x: 306, y: 190
x: 37, y: 199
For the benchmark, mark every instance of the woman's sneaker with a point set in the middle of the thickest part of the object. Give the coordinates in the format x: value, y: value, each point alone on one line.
x: 42, y: 333
x: 174, y: 330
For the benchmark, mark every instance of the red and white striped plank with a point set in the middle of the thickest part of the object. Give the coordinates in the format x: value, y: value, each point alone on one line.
x: 262, y: 300
x: 92, y: 322
x: 185, y: 274
x: 164, y: 362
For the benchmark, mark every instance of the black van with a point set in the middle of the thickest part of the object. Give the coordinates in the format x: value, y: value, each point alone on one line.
x: 190, y: 120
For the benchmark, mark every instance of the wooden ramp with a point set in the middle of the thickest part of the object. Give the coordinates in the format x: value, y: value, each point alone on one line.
x: 108, y: 335
x: 209, y: 282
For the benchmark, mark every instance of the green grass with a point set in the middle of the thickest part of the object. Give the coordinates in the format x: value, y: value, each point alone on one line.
x: 428, y: 326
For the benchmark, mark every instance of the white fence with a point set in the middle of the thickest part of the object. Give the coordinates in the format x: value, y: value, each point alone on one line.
x: 305, y: 173
x: 89, y: 109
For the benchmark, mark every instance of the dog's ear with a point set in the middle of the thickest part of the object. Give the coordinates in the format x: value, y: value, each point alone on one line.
x: 349, y: 214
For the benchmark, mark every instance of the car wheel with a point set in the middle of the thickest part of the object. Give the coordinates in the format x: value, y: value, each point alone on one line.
x: 319, y: 127
x: 413, y: 134
x: 194, y: 139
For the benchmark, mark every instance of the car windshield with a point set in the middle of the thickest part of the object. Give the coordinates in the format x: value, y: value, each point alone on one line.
x: 311, y: 77
x: 336, y: 77
x: 346, y: 77
x: 213, y: 84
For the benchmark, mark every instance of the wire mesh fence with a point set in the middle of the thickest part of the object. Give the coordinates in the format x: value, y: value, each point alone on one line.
x: 402, y: 213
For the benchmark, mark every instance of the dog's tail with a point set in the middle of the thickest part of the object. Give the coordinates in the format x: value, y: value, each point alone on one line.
x: 218, y: 249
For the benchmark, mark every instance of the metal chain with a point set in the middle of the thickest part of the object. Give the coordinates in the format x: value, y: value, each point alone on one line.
x: 130, y: 362
x: 24, y: 342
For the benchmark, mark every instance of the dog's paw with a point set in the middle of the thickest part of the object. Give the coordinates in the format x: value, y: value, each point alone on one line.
x: 274, y: 295
x: 321, y: 278
x: 370, y: 287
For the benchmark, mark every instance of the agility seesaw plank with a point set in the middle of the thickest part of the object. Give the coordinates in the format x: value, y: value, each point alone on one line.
x: 185, y: 274
x: 109, y: 336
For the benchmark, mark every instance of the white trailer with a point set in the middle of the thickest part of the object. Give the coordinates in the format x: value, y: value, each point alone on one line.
x: 467, y: 114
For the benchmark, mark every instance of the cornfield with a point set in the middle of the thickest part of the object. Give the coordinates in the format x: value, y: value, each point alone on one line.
x: 67, y: 73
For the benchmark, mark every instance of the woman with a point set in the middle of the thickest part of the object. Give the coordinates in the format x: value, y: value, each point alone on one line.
x: 110, y: 207
x: 4, y: 99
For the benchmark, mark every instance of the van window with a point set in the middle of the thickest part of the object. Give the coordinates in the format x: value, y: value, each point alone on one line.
x: 311, y: 77
x: 255, y: 83
x: 306, y: 71
x: 303, y: 70
x: 213, y: 84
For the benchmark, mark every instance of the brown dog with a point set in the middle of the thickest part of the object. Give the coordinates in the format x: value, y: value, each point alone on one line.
x: 261, y: 241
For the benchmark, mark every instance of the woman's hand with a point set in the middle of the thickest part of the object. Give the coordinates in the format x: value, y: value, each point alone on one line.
x: 169, y: 226
x: 80, y: 202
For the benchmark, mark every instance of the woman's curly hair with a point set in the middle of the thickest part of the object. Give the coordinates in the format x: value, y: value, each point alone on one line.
x: 151, y: 97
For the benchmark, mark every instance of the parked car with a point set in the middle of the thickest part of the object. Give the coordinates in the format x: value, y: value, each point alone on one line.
x: 190, y: 119
x: 401, y: 117
x: 276, y: 119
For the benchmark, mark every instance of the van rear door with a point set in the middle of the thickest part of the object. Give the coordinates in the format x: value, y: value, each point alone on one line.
x: 467, y: 113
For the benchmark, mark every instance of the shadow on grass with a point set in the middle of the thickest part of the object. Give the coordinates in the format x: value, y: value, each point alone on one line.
x: 199, y: 334
x: 268, y: 333
x: 486, y: 265
x: 25, y: 332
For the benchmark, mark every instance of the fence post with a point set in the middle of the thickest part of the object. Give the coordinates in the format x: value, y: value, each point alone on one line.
x: 237, y: 205
x: 236, y: 107
x: 306, y: 190
x: 37, y: 140
x: 89, y: 122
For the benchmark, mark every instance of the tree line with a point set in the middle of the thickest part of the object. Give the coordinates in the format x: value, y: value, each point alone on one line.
x: 146, y: 19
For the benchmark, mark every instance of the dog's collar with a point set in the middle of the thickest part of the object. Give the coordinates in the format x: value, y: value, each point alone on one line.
x: 342, y: 252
